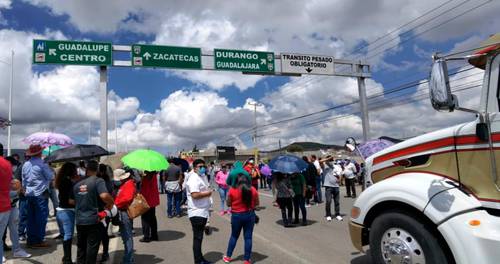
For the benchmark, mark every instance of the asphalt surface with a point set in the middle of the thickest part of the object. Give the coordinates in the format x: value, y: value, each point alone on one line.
x: 318, y: 242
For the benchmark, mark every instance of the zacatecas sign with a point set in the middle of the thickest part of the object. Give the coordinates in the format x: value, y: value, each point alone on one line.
x: 243, y: 60
x: 306, y: 64
x: 72, y: 52
x: 166, y: 56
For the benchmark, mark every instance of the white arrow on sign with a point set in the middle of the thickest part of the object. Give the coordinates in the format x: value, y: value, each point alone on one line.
x: 52, y: 52
x: 147, y: 55
x: 263, y: 61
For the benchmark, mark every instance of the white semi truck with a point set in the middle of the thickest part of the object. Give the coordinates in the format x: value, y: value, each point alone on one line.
x: 435, y: 198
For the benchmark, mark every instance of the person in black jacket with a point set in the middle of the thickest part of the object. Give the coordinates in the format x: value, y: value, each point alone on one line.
x: 310, y: 174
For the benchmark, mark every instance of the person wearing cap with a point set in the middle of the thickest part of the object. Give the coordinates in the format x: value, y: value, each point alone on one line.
x: 36, y: 178
x: 87, y: 193
x: 125, y: 197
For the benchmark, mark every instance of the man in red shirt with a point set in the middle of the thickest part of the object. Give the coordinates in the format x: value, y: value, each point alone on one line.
x: 5, y: 178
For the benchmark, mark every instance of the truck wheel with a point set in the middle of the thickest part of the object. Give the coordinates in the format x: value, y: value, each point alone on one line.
x: 400, y: 238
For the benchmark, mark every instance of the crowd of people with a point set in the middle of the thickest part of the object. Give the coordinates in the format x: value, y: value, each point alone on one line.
x: 90, y: 197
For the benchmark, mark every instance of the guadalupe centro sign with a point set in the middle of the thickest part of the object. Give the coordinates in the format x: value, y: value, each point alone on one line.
x: 72, y: 52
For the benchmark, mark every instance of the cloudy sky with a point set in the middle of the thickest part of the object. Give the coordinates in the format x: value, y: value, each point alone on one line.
x: 172, y: 109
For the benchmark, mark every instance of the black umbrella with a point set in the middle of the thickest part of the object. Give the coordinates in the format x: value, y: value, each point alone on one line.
x: 77, y: 152
x: 182, y: 163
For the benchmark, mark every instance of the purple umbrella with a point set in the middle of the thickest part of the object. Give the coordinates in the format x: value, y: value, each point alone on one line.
x: 266, y: 171
x: 373, y: 146
x: 46, y: 139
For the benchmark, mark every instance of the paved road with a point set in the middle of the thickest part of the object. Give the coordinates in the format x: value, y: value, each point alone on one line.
x: 319, y: 242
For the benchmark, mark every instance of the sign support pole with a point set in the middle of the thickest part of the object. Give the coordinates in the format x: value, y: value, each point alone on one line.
x: 103, y: 94
x: 9, y: 128
x: 363, y: 105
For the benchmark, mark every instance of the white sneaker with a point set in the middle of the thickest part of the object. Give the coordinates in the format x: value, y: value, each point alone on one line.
x: 3, y: 259
x: 308, y: 205
x: 339, y: 218
x: 329, y: 218
x: 21, y: 254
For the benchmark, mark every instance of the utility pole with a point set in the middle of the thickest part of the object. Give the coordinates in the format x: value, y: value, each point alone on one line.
x: 116, y: 131
x: 11, y: 85
x: 256, y: 151
x: 9, y: 128
x: 365, y: 121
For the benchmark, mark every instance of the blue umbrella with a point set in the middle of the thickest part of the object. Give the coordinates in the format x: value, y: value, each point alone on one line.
x: 287, y: 164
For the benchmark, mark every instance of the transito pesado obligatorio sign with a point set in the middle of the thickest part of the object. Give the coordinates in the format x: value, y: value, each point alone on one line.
x: 72, y: 52
x: 166, y: 56
x: 244, y: 61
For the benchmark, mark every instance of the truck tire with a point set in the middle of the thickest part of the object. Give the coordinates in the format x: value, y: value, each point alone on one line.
x: 397, y: 237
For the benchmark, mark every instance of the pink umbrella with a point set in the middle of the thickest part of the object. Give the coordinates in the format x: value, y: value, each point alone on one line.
x: 46, y: 139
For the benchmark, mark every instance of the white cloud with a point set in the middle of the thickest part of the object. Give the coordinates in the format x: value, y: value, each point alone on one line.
x: 5, y: 4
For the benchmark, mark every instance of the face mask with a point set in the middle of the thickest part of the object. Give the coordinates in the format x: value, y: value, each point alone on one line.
x: 202, y: 171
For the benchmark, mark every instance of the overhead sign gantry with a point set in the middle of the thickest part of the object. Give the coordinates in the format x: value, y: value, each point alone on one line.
x: 190, y: 58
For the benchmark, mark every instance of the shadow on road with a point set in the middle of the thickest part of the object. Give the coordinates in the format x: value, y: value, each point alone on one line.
x: 256, y: 257
x: 138, y: 258
x: 362, y: 258
x: 309, y: 222
x: 170, y: 235
x: 213, y: 256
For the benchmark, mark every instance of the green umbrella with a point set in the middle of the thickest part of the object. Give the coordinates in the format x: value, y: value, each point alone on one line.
x: 146, y: 160
x: 46, y: 151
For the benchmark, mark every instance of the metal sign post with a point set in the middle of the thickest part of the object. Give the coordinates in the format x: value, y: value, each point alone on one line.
x: 103, y: 96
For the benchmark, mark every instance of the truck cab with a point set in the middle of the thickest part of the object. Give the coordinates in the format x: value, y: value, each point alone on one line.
x: 436, y: 198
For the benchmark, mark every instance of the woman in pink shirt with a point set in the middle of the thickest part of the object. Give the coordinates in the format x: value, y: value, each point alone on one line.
x: 220, y: 179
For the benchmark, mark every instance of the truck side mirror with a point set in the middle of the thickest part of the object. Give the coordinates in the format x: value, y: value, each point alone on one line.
x: 439, y: 88
x: 482, y: 132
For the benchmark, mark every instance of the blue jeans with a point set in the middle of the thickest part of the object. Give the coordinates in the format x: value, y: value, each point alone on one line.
x: 319, y: 195
x: 66, y: 223
x: 23, y: 216
x: 174, y: 199
x: 4, y: 221
x: 13, y: 223
x: 223, y: 194
x: 245, y: 221
x: 127, y: 237
x: 38, y: 212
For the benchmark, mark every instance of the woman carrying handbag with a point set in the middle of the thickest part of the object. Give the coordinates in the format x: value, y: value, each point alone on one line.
x: 124, y: 198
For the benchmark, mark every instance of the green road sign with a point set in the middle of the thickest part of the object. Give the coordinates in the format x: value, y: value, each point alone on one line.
x: 72, y: 52
x: 166, y: 56
x: 243, y: 60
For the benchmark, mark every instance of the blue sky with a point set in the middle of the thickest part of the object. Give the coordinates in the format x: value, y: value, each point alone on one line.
x: 140, y: 92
